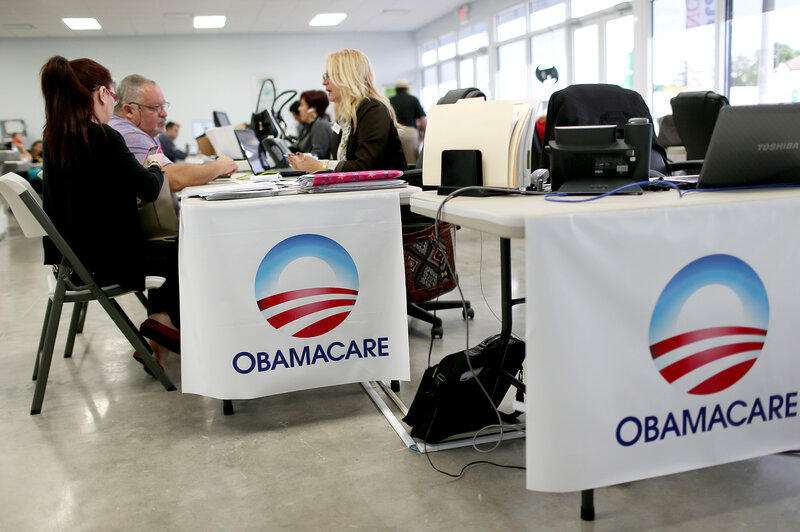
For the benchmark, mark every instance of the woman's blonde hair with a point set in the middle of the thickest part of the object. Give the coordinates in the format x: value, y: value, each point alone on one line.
x: 351, y: 71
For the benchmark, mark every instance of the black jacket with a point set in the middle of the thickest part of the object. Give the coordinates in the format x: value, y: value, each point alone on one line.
x: 374, y: 144
x: 94, y: 207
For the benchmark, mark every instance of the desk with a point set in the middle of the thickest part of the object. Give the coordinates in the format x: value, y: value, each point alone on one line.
x: 291, y: 292
x: 615, y: 289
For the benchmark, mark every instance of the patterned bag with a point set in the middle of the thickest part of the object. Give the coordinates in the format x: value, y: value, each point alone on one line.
x: 427, y: 274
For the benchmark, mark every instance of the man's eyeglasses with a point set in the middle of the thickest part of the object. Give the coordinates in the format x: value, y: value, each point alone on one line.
x: 154, y: 108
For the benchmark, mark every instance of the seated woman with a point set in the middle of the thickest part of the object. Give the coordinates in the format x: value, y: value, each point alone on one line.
x: 316, y: 137
x: 91, y: 186
x: 36, y: 151
x: 365, y: 130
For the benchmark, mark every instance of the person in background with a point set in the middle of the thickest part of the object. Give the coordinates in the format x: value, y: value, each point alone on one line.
x: 301, y: 126
x: 365, y: 129
x: 98, y: 216
x: 36, y: 151
x: 140, y: 115
x: 411, y: 116
x: 316, y: 138
x: 19, y: 144
x: 167, y: 140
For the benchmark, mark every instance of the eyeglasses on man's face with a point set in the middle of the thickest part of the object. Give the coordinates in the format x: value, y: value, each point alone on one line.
x: 154, y: 108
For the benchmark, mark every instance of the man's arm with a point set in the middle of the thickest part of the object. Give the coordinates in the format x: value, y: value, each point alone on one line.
x: 183, y: 175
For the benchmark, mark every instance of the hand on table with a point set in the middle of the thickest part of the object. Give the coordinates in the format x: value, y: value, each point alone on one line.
x: 225, y: 166
x: 300, y: 161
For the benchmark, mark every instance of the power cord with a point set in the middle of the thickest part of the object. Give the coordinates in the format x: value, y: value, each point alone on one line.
x: 438, y: 242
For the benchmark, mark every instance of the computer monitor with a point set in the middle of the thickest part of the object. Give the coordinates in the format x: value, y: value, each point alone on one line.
x: 221, y: 119
x: 251, y: 149
x: 753, y: 145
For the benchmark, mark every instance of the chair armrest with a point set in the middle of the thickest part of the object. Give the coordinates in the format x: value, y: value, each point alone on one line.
x: 153, y: 281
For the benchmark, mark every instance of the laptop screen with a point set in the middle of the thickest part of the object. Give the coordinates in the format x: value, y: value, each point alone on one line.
x: 251, y: 149
x: 221, y: 119
x: 753, y: 145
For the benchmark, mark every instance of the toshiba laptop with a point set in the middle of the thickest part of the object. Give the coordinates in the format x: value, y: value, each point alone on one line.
x: 753, y: 145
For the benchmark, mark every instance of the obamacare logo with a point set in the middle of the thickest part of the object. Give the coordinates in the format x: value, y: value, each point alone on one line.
x: 709, y: 324
x: 306, y: 285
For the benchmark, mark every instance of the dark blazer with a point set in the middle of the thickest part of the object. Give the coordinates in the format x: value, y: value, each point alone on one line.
x: 374, y: 144
x: 94, y: 207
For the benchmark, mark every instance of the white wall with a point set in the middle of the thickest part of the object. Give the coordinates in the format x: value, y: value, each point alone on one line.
x: 199, y: 73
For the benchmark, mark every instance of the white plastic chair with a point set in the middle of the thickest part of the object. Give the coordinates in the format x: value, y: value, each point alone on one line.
x: 34, y: 222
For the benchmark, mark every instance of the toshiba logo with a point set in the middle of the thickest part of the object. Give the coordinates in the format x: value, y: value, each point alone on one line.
x: 779, y: 146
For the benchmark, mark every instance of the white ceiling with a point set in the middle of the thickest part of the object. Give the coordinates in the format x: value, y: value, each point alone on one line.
x: 42, y: 18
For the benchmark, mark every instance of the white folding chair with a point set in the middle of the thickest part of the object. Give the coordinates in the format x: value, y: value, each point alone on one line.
x: 34, y: 222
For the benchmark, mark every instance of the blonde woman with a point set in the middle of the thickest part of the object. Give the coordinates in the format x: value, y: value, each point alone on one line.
x: 365, y: 128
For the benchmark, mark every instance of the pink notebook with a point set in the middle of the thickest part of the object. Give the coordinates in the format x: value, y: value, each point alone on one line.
x: 345, y: 177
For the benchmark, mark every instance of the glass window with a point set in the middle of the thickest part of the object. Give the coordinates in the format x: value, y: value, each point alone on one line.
x: 473, y: 38
x: 511, y: 23
x: 447, y: 77
x: 580, y: 8
x: 447, y: 47
x: 430, y: 88
x: 619, y: 51
x: 466, y: 73
x: 765, y: 53
x: 428, y: 53
x: 549, y: 49
x: 684, y: 40
x: 585, y: 58
x: 546, y: 13
x: 512, y: 79
x: 482, y: 74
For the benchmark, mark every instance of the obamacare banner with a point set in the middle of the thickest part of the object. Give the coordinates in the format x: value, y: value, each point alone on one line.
x: 293, y: 292
x: 661, y: 340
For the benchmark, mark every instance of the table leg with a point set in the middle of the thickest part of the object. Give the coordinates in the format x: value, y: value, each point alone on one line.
x: 587, y: 505
x: 507, y: 303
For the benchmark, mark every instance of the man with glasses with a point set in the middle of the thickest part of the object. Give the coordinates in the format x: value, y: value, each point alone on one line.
x: 140, y: 115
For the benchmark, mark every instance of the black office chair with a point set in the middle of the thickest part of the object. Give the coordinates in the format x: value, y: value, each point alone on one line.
x: 75, y: 284
x: 695, y: 114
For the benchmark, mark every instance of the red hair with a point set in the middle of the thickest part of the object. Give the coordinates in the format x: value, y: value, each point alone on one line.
x: 68, y: 88
x: 317, y: 100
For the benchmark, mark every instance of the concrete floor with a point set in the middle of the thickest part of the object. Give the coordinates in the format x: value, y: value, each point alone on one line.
x: 113, y: 451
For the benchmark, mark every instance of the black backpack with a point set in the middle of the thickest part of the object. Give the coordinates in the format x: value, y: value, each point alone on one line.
x: 449, y: 400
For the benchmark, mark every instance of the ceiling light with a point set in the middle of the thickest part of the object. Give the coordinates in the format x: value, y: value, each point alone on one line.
x: 214, y: 21
x: 82, y: 24
x: 328, y: 19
